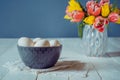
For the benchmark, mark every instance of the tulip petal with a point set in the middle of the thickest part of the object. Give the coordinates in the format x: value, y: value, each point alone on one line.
x: 74, y: 5
x: 67, y: 17
x: 105, y: 10
x: 89, y: 20
x: 118, y: 22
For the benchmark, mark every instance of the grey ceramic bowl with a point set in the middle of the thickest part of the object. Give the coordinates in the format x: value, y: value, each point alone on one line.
x: 39, y: 57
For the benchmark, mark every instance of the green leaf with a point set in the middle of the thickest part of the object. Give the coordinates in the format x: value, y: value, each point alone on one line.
x: 80, y: 29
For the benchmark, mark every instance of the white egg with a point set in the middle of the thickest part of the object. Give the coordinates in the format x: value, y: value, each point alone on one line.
x: 25, y: 41
x: 42, y: 43
x: 36, y: 39
x: 54, y: 43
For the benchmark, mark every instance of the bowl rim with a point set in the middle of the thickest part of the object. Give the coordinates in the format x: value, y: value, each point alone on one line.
x: 40, y: 47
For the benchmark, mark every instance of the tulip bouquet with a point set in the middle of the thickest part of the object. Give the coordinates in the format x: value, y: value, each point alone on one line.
x: 97, y: 13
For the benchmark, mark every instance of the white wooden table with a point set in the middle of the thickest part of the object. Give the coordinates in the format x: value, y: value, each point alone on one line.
x: 80, y: 67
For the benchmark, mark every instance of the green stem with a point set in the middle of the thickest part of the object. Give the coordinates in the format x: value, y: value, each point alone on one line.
x: 80, y: 29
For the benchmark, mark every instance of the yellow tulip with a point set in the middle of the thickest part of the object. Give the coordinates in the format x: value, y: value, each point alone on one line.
x: 67, y: 17
x: 89, y: 20
x: 118, y: 22
x: 116, y: 10
x: 74, y: 5
x: 105, y: 10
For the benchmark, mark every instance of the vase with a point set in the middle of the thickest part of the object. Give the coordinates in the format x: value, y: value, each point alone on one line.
x: 94, y: 42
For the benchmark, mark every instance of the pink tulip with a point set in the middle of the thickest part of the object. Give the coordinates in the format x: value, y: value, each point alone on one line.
x: 77, y: 16
x: 113, y: 17
x: 100, y: 23
x: 68, y: 13
x: 93, y: 8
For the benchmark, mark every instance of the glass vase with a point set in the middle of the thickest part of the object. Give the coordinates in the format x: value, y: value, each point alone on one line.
x: 95, y: 42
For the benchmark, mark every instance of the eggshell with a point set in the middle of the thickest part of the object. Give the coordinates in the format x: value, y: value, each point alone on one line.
x: 26, y: 42
x: 42, y: 43
x: 36, y: 39
x: 54, y: 43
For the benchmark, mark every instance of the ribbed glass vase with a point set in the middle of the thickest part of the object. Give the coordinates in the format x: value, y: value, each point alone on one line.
x: 95, y: 42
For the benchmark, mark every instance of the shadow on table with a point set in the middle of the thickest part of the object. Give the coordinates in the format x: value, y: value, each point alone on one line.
x: 70, y: 65
x: 112, y: 54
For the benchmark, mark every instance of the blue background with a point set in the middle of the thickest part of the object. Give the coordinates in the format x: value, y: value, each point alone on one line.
x: 39, y: 18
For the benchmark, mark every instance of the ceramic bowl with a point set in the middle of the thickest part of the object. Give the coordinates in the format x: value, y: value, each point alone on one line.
x: 39, y: 57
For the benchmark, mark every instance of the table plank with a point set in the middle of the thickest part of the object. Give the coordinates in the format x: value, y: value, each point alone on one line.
x: 76, y: 72
x: 3, y: 72
x: 114, y: 49
x: 19, y: 75
x: 12, y: 55
x: 107, y: 68
x: 113, y: 45
x: 69, y: 76
x: 5, y: 44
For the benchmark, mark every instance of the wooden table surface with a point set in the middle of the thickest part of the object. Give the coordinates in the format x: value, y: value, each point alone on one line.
x: 73, y: 63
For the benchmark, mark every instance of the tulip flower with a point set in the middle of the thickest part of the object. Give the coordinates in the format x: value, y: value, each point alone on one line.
x: 113, y: 17
x: 100, y: 23
x: 74, y: 5
x: 74, y: 12
x: 77, y: 16
x: 105, y: 10
x: 89, y: 20
x: 118, y: 22
x: 116, y: 10
x: 93, y: 8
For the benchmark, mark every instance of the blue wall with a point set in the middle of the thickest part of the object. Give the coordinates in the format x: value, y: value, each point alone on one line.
x: 39, y: 18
